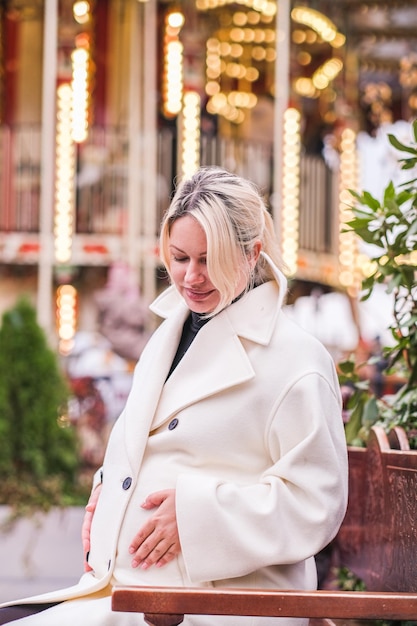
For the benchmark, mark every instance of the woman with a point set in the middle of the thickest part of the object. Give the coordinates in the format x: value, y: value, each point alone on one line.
x: 228, y: 466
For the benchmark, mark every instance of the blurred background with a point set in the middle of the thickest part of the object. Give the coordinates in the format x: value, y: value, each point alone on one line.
x: 105, y: 104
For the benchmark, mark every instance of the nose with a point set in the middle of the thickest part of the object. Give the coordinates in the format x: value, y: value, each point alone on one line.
x: 194, y: 273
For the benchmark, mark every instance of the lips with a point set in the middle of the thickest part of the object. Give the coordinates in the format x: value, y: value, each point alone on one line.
x: 197, y: 295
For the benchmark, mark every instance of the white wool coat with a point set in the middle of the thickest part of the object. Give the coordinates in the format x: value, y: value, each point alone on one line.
x: 256, y: 453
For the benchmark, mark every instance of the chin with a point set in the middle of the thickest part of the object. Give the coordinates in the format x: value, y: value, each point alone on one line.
x: 200, y: 307
x: 195, y: 308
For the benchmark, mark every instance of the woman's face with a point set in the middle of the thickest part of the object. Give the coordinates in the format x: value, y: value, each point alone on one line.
x: 188, y: 268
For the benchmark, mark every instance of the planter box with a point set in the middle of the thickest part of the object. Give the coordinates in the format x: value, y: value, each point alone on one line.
x: 382, y: 512
x: 40, y: 553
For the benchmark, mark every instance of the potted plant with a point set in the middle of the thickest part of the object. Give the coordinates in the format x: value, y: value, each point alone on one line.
x: 381, y: 429
x: 389, y: 228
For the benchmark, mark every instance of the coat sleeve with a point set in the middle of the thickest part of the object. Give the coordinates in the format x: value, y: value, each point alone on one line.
x: 291, y: 512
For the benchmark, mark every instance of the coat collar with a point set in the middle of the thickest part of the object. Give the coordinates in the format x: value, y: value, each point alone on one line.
x: 259, y: 316
x: 217, y: 346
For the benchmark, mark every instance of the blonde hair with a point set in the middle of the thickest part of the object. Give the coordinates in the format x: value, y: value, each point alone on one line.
x: 234, y: 217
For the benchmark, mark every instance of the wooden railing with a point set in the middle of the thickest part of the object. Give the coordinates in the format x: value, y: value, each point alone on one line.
x: 101, y: 181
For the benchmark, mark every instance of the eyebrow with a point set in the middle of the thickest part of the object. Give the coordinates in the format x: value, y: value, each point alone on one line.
x: 173, y: 247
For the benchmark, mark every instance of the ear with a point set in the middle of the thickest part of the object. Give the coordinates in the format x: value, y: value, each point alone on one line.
x: 256, y: 251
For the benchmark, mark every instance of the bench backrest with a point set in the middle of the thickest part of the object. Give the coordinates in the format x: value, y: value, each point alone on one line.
x: 378, y: 538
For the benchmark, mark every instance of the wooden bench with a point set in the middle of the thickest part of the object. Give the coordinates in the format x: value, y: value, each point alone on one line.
x: 377, y: 542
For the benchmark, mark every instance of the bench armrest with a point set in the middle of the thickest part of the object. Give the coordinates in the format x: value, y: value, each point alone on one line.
x: 172, y: 603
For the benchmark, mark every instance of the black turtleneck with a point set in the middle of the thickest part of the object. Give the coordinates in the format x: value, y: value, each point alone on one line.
x: 192, y: 325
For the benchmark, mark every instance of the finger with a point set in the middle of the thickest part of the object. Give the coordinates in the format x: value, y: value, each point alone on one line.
x: 145, y: 532
x: 85, y: 531
x: 94, y: 496
x: 144, y: 551
x: 86, y: 551
x: 86, y: 525
x: 89, y: 513
x: 169, y: 555
x: 157, y: 498
x: 161, y: 553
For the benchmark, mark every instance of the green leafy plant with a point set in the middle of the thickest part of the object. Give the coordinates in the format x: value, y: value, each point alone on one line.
x: 38, y: 448
x: 346, y: 580
x: 389, y: 226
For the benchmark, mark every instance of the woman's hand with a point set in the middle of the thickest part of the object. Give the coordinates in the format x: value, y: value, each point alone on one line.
x: 86, y: 526
x: 157, y: 542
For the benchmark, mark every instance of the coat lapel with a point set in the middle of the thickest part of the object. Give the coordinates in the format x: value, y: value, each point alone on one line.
x: 217, y: 359
x: 150, y: 374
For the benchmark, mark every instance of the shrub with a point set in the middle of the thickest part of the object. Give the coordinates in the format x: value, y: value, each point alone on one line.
x: 38, y: 448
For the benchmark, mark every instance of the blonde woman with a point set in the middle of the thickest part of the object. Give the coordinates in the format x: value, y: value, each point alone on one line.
x: 228, y: 465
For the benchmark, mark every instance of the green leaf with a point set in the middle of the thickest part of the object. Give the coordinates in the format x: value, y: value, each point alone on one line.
x: 408, y: 164
x: 407, y: 273
x: 370, y: 237
x: 395, y: 357
x: 370, y: 412
x: 400, y: 146
x: 347, y: 367
x: 413, y: 376
x: 359, y: 222
x: 355, y: 421
x: 398, y: 246
x: 414, y: 127
x: 403, y: 196
x: 363, y: 213
x: 389, y: 192
x: 380, y: 278
x: 385, y: 271
x: 355, y: 194
x: 368, y: 282
x: 370, y: 200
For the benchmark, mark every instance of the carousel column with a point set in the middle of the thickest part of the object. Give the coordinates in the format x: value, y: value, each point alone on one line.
x: 46, y: 258
x: 282, y: 76
x: 134, y: 164
x: 142, y: 187
x: 149, y: 134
